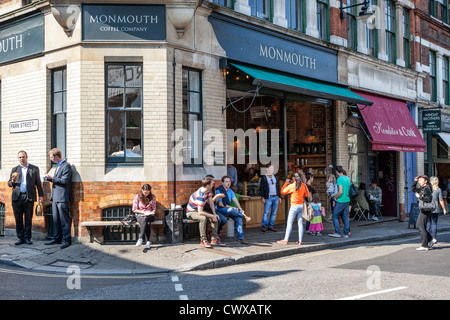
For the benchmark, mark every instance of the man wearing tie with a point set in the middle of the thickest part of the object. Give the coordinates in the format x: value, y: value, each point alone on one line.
x: 24, y: 180
x: 61, y: 196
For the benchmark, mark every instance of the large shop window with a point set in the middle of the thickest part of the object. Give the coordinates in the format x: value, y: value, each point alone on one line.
x: 59, y: 109
x: 124, y: 113
x: 192, y: 118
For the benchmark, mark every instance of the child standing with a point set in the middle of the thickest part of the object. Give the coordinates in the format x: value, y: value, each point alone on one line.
x: 316, y: 223
x: 332, y: 189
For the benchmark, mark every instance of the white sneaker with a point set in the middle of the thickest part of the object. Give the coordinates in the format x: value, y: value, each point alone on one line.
x: 334, y: 235
x: 422, y: 249
x: 139, y: 242
x: 147, y: 245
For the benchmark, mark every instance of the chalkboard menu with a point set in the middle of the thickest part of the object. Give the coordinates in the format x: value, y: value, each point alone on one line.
x: 413, y: 215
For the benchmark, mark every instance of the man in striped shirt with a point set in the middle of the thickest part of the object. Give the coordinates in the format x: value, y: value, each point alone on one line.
x: 194, y: 211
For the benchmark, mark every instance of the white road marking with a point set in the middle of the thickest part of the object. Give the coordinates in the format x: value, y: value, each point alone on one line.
x: 179, y: 288
x: 360, y: 296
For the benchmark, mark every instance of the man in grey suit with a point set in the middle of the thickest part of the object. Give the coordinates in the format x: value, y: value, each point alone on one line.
x: 61, y: 196
x: 24, y: 179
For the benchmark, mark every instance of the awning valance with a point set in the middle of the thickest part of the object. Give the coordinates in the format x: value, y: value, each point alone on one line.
x: 288, y: 83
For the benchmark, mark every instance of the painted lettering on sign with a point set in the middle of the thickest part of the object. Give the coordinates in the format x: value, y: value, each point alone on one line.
x: 407, y: 132
x: 282, y: 55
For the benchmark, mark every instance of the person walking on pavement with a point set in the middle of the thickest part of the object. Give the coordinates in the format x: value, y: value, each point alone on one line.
x: 271, y: 197
x: 24, y: 179
x: 421, y: 186
x: 144, y: 206
x: 437, y: 199
x: 194, y: 211
x: 61, y: 196
x: 298, y: 191
x: 342, y: 203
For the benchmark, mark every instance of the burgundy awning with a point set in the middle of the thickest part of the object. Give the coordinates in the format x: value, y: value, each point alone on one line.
x: 391, y: 125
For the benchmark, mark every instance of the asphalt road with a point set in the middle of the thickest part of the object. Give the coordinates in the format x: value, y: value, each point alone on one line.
x: 391, y: 270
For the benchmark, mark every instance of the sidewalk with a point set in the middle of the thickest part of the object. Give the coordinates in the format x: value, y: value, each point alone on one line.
x: 127, y: 259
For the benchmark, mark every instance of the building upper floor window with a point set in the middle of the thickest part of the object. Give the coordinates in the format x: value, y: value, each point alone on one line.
x: 445, y: 80
x: 440, y: 9
x: 433, y: 85
x: 59, y: 110
x: 323, y: 19
x: 352, y: 33
x: 390, y: 30
x: 123, y: 112
x: 406, y: 39
x: 192, y: 118
x: 262, y: 9
x: 372, y: 34
x: 296, y: 14
x: 225, y: 3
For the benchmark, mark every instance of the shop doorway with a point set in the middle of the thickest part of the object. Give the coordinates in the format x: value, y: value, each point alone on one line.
x: 387, y: 174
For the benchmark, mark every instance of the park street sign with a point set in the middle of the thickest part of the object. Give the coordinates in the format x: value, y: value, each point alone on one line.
x: 24, y: 126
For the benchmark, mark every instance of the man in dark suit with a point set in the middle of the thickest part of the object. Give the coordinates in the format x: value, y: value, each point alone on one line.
x: 24, y: 180
x: 61, y: 196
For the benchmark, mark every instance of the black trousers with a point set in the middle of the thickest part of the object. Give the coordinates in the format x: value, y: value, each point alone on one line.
x: 62, y: 222
x: 23, y: 207
x: 425, y: 236
x: 145, y: 224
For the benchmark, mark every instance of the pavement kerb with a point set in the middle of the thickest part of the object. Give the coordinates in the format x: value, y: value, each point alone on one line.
x: 203, y: 264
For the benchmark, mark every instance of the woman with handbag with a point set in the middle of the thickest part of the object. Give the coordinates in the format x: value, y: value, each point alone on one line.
x: 298, y: 192
x: 421, y: 186
x: 144, y: 206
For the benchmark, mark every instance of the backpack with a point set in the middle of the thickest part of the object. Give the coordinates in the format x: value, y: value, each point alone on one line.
x: 353, y: 192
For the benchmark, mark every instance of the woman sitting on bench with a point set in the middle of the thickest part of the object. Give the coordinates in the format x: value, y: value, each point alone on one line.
x: 144, y: 206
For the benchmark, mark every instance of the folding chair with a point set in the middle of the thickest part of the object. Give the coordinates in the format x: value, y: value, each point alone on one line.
x: 361, y: 207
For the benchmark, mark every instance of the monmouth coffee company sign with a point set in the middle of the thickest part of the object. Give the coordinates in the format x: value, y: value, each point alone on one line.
x: 22, y: 38
x: 124, y: 22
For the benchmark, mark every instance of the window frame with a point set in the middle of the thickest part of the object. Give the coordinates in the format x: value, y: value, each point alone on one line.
x: 62, y: 112
x: 433, y: 80
x: 193, y: 162
x: 390, y: 29
x: 371, y: 34
x: 255, y: 9
x: 446, y: 80
x: 323, y: 19
x: 352, y: 25
x: 299, y: 12
x: 118, y: 160
x: 406, y: 37
x: 224, y: 3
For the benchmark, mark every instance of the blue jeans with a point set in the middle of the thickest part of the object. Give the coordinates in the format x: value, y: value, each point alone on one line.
x: 295, y: 211
x: 237, y: 218
x: 432, y: 223
x: 338, y: 210
x: 270, y: 207
x: 222, y: 221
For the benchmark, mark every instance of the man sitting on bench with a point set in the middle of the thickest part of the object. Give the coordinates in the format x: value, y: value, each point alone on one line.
x: 194, y: 211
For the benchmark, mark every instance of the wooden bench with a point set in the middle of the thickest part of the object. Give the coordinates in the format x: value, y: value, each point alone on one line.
x: 90, y: 225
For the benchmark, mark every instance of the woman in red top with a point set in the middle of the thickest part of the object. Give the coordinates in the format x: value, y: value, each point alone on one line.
x: 298, y: 191
x: 144, y: 206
